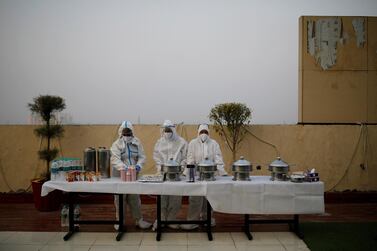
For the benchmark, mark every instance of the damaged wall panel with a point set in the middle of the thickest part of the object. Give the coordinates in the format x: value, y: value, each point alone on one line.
x: 346, y: 46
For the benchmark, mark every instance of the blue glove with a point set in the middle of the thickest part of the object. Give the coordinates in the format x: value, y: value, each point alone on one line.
x: 138, y: 168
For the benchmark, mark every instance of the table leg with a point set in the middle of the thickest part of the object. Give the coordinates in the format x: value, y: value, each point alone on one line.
x: 296, y: 226
x: 159, y: 229
x: 71, y: 227
x: 121, y: 218
x: 247, y: 227
x: 209, y: 217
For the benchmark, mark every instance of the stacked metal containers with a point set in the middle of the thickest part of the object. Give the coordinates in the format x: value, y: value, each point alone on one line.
x: 97, y: 161
x: 90, y: 163
x: 241, y: 169
x: 103, y: 157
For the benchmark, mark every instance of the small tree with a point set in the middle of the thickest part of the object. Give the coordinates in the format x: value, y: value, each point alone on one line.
x: 229, y: 121
x: 46, y: 106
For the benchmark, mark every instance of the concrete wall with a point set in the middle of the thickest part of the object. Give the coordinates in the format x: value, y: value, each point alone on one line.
x: 336, y: 151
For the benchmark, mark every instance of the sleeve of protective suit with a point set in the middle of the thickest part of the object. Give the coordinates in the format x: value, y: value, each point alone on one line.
x: 184, y: 153
x: 157, y: 156
x: 190, y: 156
x: 190, y: 153
x: 116, y: 160
x: 219, y: 160
x: 141, y: 155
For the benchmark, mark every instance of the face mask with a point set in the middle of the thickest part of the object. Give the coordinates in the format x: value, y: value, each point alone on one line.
x: 168, y: 135
x: 203, y: 137
x: 128, y: 138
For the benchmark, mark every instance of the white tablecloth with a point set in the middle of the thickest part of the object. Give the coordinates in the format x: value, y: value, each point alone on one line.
x: 258, y: 196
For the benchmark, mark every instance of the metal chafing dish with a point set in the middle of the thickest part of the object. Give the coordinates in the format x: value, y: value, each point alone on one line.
x: 172, y: 170
x: 279, y: 170
x: 207, y: 169
x: 241, y: 169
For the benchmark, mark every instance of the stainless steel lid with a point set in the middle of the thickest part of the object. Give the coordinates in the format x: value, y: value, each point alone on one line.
x: 90, y: 149
x: 103, y: 149
x: 206, y: 162
x: 241, y: 162
x: 278, y: 163
x: 171, y: 162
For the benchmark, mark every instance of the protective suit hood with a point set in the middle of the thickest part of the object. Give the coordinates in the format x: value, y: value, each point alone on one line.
x: 168, y: 123
x: 203, y: 127
x: 125, y: 124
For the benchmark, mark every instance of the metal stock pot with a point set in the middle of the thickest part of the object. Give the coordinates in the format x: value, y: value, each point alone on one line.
x: 241, y: 169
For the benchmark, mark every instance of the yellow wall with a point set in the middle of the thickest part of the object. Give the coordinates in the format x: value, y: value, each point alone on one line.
x: 346, y: 92
x: 328, y: 148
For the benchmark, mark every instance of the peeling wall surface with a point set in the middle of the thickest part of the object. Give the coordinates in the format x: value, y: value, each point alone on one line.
x: 325, y: 34
x: 344, y: 155
x: 337, y: 69
x: 358, y: 26
x: 323, y: 38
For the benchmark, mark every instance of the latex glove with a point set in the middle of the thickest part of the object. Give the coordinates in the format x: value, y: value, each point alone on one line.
x: 125, y: 167
x: 138, y: 168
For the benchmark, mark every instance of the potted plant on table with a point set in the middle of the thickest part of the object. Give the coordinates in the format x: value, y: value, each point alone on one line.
x: 46, y: 107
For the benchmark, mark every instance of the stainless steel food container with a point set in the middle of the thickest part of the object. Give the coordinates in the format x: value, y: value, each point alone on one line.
x: 90, y: 159
x: 297, y: 178
x: 207, y: 169
x: 103, y: 157
x: 241, y: 169
x: 172, y: 170
x: 279, y: 170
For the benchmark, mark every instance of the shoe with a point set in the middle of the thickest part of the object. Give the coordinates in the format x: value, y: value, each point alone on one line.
x: 143, y: 224
x: 213, y: 222
x: 116, y: 227
x: 173, y: 226
x: 154, y: 227
x: 189, y: 226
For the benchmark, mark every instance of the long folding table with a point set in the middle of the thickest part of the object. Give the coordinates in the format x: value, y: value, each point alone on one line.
x: 258, y: 196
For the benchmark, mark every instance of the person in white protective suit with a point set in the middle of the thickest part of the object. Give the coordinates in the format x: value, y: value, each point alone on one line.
x: 200, y: 148
x: 127, y: 151
x: 170, y: 145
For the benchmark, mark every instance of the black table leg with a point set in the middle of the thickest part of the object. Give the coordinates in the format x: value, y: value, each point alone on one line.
x: 159, y: 228
x: 247, y: 227
x: 209, y: 217
x: 70, y: 218
x: 296, y: 226
x: 121, y: 218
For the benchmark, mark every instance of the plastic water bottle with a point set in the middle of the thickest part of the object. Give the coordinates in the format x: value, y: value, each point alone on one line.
x: 64, y: 216
x: 54, y: 171
x: 76, y: 213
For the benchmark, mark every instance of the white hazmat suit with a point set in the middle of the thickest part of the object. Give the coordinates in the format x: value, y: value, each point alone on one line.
x: 127, y: 151
x: 199, y: 149
x: 170, y: 145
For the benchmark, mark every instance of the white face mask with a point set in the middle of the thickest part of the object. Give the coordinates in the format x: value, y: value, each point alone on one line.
x: 128, y: 139
x: 203, y: 137
x: 168, y: 135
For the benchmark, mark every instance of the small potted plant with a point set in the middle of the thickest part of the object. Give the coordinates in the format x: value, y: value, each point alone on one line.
x: 46, y: 107
x: 230, y: 121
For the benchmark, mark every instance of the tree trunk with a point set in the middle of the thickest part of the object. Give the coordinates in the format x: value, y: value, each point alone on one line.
x: 48, y: 146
